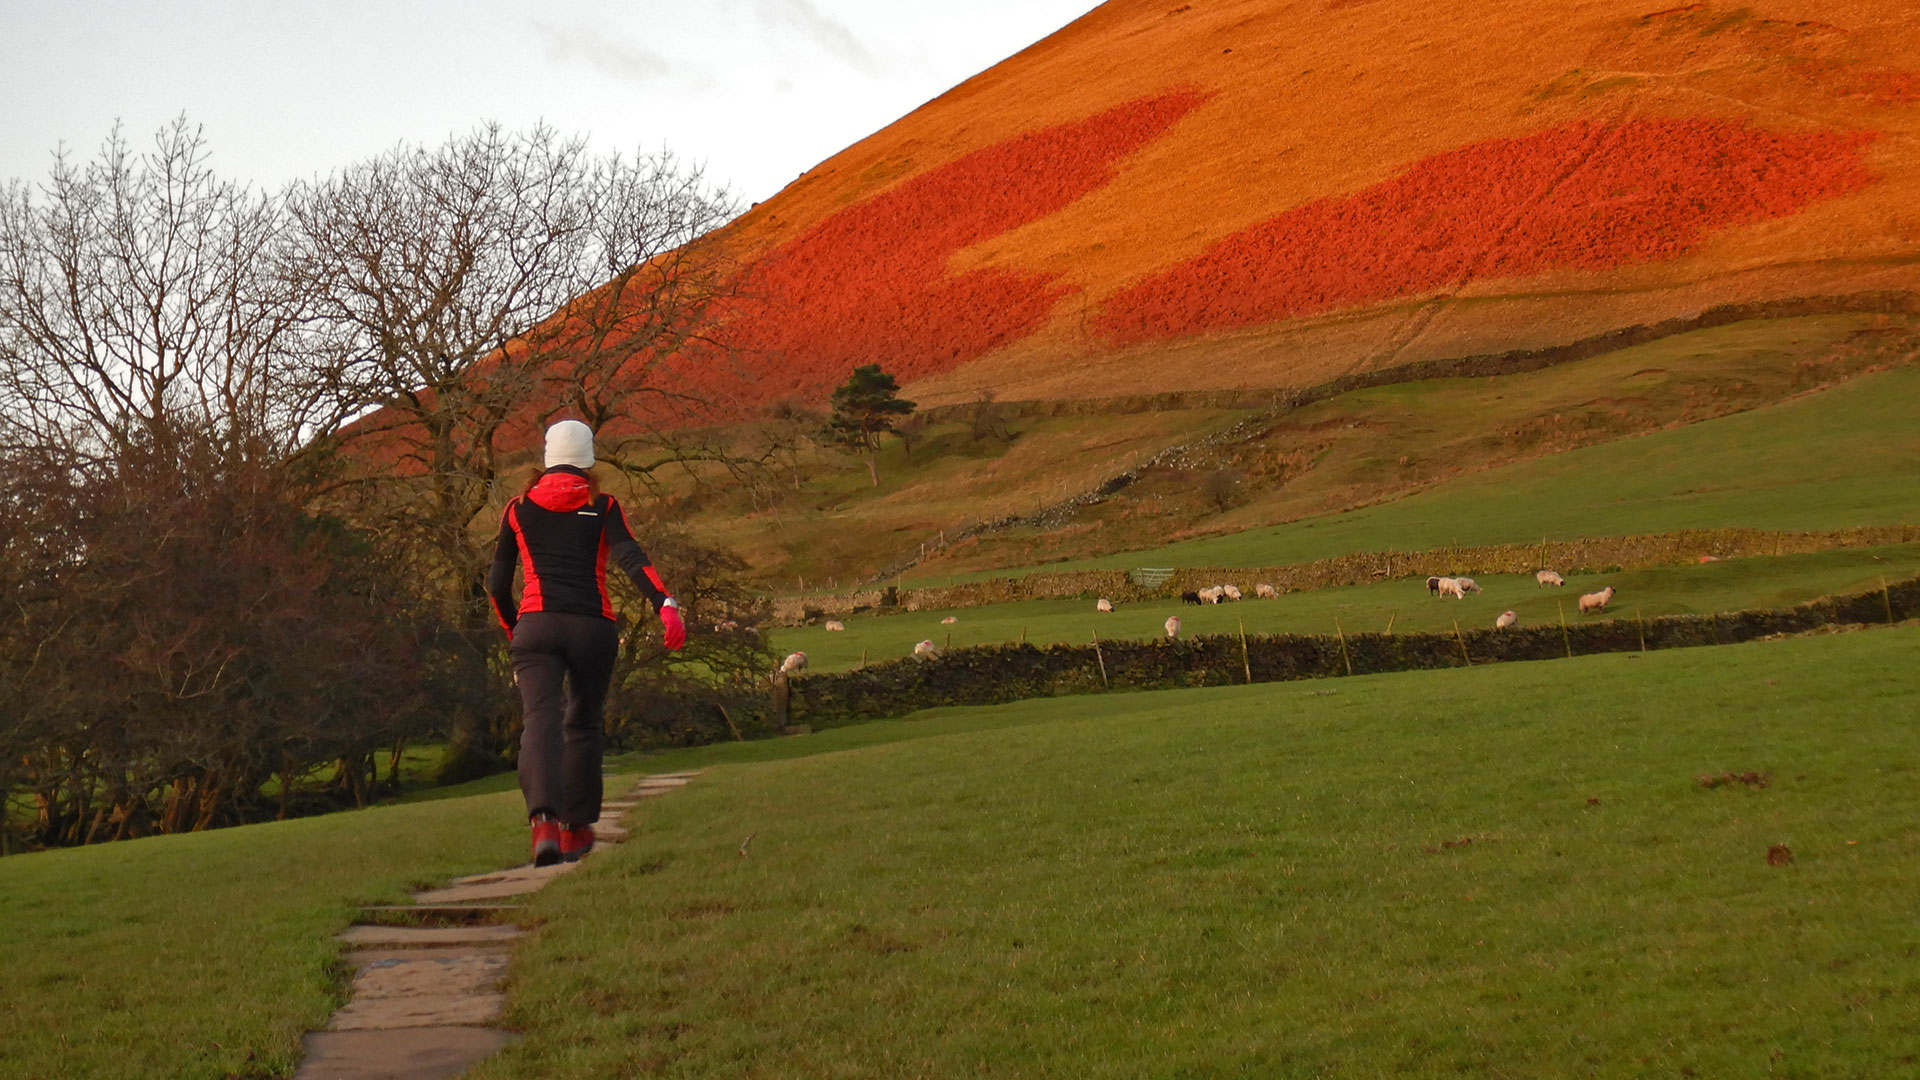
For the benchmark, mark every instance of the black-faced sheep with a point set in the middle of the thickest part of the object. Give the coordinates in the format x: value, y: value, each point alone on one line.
x: 1596, y: 601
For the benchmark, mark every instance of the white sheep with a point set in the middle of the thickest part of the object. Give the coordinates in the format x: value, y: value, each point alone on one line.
x: 1466, y: 585
x: 1548, y: 578
x: 1232, y: 592
x: 925, y: 649
x: 1173, y: 627
x: 1451, y: 587
x: 794, y: 662
x: 1596, y: 601
x: 1265, y: 591
x: 949, y: 620
x: 1103, y: 605
x: 835, y: 625
x: 1506, y: 619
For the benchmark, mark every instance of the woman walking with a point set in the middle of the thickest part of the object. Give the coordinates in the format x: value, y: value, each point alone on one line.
x: 562, y: 635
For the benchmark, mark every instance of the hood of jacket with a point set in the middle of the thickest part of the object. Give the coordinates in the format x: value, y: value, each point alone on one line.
x: 561, y: 490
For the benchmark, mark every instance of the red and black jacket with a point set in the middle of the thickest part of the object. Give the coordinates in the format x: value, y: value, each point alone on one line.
x: 561, y: 534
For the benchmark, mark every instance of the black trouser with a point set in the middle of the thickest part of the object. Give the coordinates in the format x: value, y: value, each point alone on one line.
x: 561, y: 735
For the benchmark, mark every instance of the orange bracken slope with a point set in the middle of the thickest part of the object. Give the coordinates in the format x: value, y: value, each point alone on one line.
x: 1261, y: 193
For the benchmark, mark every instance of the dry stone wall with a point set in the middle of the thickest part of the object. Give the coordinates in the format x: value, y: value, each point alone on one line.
x: 1000, y: 674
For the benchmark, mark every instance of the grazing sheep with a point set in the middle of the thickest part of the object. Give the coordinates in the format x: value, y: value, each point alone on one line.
x: 1265, y: 591
x: 1506, y: 619
x: 1466, y: 585
x: 1451, y: 587
x: 836, y: 624
x: 1214, y: 595
x: 1433, y: 585
x: 925, y: 649
x: 1232, y: 592
x: 1548, y: 578
x: 794, y: 662
x: 949, y: 619
x: 1173, y: 627
x: 1596, y: 601
x: 1103, y: 605
x: 1190, y: 598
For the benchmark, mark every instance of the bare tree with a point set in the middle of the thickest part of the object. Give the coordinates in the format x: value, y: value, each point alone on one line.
x: 1222, y: 487
x: 136, y: 294
x: 472, y: 291
x: 175, y: 625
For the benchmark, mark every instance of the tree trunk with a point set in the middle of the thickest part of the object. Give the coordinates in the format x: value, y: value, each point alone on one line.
x: 873, y: 466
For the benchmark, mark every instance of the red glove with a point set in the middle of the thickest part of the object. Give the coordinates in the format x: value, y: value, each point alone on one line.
x: 675, y: 630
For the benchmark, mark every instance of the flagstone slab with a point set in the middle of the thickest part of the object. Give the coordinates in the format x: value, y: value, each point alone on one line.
x: 426, y: 937
x: 516, y: 873
x: 497, y: 886
x: 424, y: 1053
x: 419, y: 1010
x: 450, y: 972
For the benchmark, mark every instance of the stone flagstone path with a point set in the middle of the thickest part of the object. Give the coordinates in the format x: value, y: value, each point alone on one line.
x: 427, y: 976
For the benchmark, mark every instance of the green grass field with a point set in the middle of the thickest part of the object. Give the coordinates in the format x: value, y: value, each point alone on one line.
x: 1842, y: 457
x: 1501, y: 871
x: 1731, y: 585
x: 209, y: 954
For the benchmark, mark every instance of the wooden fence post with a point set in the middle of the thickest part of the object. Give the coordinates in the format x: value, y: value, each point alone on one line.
x: 1246, y: 664
x: 1565, y: 638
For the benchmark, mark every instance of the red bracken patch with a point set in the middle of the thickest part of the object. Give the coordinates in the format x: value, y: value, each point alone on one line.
x: 870, y: 284
x: 1586, y: 195
x: 1891, y: 87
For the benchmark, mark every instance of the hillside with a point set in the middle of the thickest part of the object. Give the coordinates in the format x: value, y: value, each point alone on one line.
x: 1253, y: 193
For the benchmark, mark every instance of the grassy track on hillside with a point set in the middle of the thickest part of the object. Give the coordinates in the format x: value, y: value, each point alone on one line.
x: 208, y: 954
x: 1501, y: 871
x: 1732, y: 585
x: 1845, y: 456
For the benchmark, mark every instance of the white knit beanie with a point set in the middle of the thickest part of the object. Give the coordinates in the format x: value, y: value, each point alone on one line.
x: 570, y: 442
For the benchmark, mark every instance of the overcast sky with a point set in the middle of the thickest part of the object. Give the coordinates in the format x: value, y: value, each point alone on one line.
x: 759, y: 90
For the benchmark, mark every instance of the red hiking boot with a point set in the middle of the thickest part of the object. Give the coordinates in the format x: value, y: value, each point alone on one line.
x: 546, y: 840
x: 575, y: 842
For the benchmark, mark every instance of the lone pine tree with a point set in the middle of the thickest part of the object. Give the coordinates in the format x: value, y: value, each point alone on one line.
x: 865, y: 408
